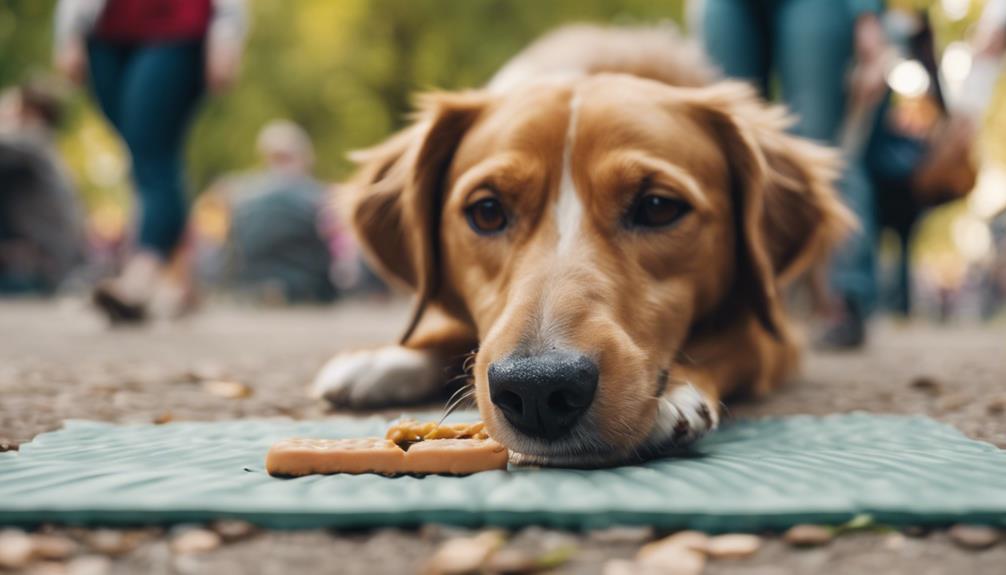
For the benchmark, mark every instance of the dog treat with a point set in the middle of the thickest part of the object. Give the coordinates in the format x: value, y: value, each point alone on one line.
x: 409, y: 447
x: 410, y: 431
x: 299, y: 456
x: 455, y: 456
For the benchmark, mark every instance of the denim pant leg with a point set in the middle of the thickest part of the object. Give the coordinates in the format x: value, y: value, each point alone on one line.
x: 149, y: 92
x: 736, y: 36
x: 814, y: 51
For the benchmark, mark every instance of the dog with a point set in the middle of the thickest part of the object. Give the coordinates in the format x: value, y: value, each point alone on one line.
x: 609, y: 225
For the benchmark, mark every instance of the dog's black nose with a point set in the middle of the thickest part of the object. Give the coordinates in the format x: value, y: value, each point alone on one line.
x: 543, y: 395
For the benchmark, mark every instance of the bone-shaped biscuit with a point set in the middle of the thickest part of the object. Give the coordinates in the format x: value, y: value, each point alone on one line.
x: 423, y: 448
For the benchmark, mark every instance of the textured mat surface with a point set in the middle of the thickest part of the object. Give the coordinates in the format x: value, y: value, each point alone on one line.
x: 750, y: 475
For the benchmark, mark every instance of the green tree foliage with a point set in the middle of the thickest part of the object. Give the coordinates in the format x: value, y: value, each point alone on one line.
x: 347, y: 69
x: 344, y: 69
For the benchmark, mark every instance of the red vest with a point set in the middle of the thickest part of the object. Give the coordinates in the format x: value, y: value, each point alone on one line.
x: 151, y: 20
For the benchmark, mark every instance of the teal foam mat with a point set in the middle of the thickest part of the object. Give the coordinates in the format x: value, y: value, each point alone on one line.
x: 748, y: 476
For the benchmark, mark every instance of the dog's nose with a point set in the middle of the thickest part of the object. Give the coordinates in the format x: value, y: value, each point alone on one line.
x: 543, y: 395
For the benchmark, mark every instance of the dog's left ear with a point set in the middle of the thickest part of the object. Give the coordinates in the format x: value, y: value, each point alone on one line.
x: 396, y: 196
x: 788, y: 214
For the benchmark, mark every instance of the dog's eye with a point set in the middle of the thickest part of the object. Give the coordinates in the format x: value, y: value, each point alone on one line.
x: 486, y: 216
x: 653, y: 211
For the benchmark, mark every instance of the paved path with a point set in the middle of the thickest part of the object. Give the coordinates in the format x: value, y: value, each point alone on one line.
x: 57, y: 361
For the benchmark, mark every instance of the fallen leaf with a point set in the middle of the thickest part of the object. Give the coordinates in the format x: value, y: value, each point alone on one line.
x: 927, y: 385
x: 511, y: 561
x: 996, y: 406
x: 621, y: 534
x: 808, y: 535
x: 52, y: 547
x: 164, y: 417
x: 227, y: 389
x: 464, y: 554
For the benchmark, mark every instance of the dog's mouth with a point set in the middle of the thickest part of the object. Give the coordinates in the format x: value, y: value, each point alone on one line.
x: 682, y: 417
x: 583, y: 448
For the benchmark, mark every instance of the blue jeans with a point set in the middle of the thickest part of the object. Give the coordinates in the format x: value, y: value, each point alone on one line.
x: 807, y: 46
x: 149, y: 92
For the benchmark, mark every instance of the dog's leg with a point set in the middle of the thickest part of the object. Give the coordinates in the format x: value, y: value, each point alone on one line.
x: 689, y: 409
x: 396, y: 374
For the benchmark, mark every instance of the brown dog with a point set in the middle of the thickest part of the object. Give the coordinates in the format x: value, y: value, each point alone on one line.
x: 609, y: 227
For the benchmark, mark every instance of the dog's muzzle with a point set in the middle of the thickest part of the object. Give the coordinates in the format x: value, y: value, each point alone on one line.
x: 543, y: 395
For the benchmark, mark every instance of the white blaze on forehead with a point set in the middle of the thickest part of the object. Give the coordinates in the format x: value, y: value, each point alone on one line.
x: 568, y: 209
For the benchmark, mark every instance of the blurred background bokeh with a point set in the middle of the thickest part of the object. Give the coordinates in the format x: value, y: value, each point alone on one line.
x: 345, y: 71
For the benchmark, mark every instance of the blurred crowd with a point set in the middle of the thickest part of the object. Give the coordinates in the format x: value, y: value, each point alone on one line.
x: 865, y: 77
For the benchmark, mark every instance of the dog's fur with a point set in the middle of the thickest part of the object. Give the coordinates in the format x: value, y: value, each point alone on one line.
x: 566, y: 136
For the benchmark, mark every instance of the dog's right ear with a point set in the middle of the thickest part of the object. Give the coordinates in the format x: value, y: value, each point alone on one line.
x: 396, y: 196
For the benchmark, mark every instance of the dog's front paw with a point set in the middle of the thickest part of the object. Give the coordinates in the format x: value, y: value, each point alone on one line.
x: 683, y: 415
x: 380, y: 377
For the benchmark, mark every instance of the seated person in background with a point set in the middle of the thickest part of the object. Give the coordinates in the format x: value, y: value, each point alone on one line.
x: 41, y: 227
x: 275, y: 230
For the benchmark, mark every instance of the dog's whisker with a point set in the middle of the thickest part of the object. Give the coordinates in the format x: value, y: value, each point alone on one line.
x: 469, y: 393
x: 459, y: 377
x: 459, y: 391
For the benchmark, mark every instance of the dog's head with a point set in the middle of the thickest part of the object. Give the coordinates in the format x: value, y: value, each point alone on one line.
x: 584, y: 228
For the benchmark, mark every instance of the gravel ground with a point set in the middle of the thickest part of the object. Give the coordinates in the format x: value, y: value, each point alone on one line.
x: 57, y: 361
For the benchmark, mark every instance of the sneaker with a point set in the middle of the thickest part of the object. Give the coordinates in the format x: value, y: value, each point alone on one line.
x: 847, y: 331
x: 124, y: 298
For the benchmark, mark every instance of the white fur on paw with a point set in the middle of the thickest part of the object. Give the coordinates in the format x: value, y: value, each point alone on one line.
x: 683, y: 415
x: 378, y: 377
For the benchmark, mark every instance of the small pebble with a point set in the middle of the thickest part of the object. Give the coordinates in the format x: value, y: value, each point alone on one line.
x: 48, y: 568
x: 227, y: 389
x: 628, y: 567
x: 89, y: 565
x: 109, y: 542
x: 808, y: 535
x: 673, y: 559
x: 511, y: 561
x: 15, y: 549
x: 192, y: 541
x: 619, y: 567
x: 52, y: 547
x: 915, y: 531
x: 616, y: 535
x: 206, y: 371
x: 974, y: 536
x: 953, y: 402
x: 894, y: 541
x: 733, y: 546
x: 464, y: 554
x: 234, y: 529
x: 694, y: 540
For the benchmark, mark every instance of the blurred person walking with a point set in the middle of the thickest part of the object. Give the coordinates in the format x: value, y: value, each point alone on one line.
x: 148, y: 63
x: 828, y: 57
x: 921, y: 151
